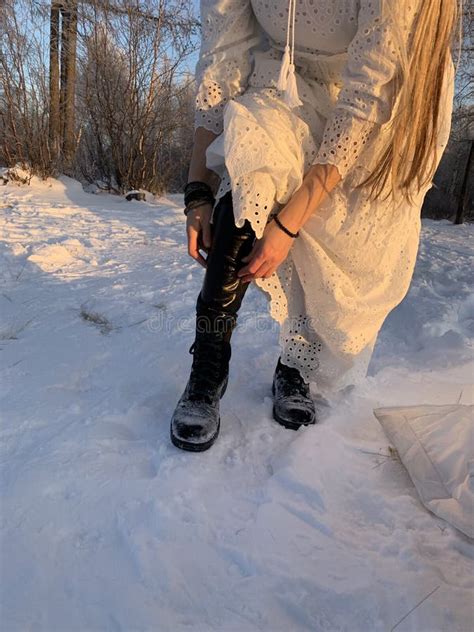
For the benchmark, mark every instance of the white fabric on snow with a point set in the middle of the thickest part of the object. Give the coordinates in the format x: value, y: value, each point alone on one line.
x: 436, y: 445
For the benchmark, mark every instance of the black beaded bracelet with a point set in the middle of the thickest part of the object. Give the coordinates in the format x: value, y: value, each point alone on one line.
x: 195, y: 203
x: 284, y: 228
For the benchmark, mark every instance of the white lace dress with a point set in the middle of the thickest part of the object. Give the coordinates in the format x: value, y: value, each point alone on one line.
x: 354, y: 259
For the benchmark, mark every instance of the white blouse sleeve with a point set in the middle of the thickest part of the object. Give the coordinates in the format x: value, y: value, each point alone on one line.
x: 367, y: 94
x: 229, y: 31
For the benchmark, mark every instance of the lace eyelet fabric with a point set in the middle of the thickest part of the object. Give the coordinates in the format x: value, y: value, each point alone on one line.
x: 354, y: 259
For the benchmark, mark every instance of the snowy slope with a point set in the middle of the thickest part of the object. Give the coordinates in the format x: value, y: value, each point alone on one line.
x: 106, y: 526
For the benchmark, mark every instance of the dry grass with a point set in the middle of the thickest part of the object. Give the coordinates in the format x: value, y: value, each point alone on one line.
x: 101, y: 322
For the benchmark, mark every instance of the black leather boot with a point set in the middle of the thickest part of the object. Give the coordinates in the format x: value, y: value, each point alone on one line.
x: 195, y: 422
x: 293, y: 406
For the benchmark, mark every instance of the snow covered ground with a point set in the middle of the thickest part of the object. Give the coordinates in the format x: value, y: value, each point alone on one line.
x: 107, y: 526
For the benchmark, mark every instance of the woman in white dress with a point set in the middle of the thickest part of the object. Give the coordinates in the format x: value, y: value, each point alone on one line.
x: 319, y: 125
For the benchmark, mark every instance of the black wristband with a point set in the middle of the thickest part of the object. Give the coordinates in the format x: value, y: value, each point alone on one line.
x: 197, y: 189
x: 193, y: 184
x: 198, y: 195
x: 284, y: 228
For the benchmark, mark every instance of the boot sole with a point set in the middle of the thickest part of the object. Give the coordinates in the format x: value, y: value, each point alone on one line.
x: 199, y: 447
x: 284, y: 422
x: 288, y: 424
x: 194, y: 447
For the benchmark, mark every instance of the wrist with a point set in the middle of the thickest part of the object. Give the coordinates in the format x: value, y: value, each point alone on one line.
x: 318, y: 182
x: 289, y: 220
x: 284, y: 229
x: 197, y: 193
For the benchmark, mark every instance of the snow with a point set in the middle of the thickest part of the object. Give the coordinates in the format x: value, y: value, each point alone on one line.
x: 107, y: 526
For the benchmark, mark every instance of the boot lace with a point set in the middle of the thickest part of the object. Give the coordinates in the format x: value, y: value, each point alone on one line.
x: 206, y: 369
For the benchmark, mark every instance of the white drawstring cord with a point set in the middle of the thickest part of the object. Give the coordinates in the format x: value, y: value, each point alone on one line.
x: 287, y: 78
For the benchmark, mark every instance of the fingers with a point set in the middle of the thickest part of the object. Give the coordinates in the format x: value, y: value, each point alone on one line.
x: 265, y: 270
x: 199, y: 232
x: 201, y: 246
x: 256, y: 249
x: 260, y: 265
x: 251, y: 259
x: 206, y: 234
x: 193, y: 246
x: 252, y: 266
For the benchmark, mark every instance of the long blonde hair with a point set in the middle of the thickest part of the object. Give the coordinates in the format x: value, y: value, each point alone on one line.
x: 408, y: 159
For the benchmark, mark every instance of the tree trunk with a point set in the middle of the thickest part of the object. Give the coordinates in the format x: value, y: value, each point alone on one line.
x: 464, y: 196
x: 68, y: 81
x: 54, y: 115
x: 62, y: 83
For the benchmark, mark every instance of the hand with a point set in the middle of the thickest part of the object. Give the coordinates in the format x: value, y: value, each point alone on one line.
x: 267, y: 254
x: 272, y: 249
x: 198, y: 228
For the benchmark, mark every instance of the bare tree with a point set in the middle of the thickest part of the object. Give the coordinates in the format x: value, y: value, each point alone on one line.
x: 453, y: 193
x: 68, y: 80
x: 463, y: 119
x: 54, y: 48
x: 131, y: 92
x: 98, y: 88
x: 463, y: 201
x: 24, y: 88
